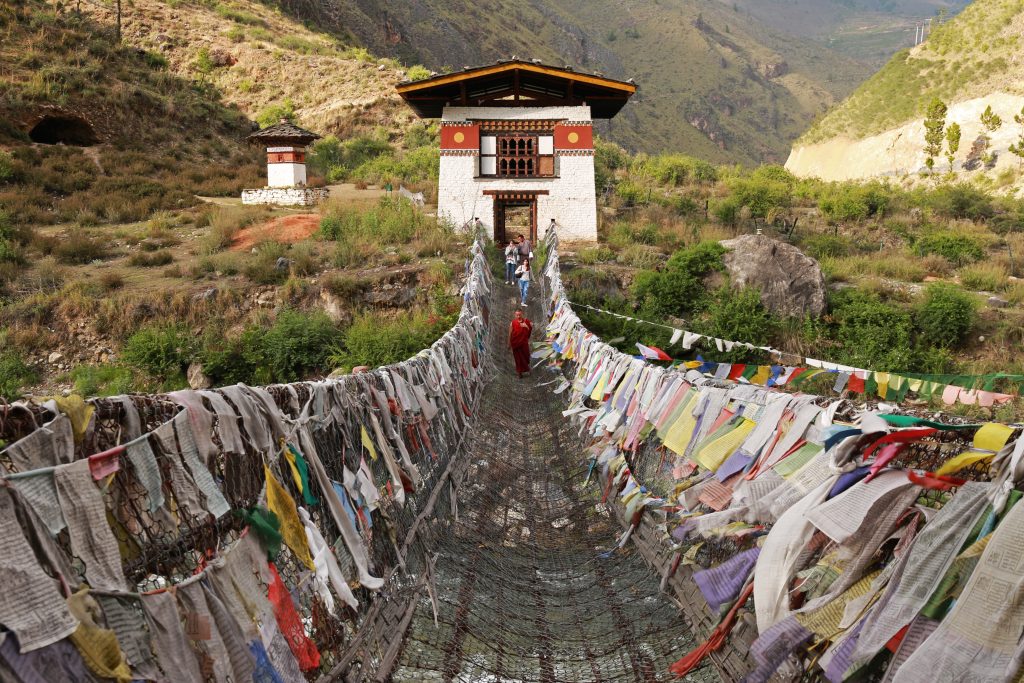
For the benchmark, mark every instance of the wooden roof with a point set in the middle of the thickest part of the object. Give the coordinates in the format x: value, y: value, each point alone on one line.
x: 284, y: 132
x: 516, y: 83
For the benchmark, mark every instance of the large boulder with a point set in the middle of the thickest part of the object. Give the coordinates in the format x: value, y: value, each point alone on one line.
x: 790, y: 282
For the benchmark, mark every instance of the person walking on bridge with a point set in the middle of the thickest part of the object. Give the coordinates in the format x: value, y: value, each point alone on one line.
x: 519, y: 342
x: 523, y: 273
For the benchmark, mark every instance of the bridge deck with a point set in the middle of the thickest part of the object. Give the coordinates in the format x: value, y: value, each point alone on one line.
x: 524, y: 591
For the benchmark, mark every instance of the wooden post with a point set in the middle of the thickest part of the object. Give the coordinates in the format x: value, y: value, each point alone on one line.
x: 118, y: 3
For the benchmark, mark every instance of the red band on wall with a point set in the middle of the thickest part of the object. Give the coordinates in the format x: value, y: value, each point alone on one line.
x: 286, y: 157
x: 460, y: 137
x: 574, y: 137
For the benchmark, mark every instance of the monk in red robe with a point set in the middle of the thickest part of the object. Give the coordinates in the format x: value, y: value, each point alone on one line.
x: 519, y: 342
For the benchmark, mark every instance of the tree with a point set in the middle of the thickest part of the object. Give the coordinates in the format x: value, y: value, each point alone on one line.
x: 991, y: 123
x: 1018, y: 147
x: 952, y: 143
x: 934, y: 125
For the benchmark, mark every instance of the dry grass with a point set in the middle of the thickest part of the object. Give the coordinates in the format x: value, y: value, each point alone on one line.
x: 987, y: 277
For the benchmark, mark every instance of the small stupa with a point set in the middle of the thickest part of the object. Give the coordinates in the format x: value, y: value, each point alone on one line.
x: 286, y: 167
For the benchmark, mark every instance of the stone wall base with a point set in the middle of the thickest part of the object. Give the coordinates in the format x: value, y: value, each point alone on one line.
x: 286, y: 196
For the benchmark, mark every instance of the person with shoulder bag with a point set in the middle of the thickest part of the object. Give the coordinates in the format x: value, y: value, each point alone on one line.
x: 523, y: 273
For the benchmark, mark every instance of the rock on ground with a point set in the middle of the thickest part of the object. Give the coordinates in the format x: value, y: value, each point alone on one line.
x: 790, y: 282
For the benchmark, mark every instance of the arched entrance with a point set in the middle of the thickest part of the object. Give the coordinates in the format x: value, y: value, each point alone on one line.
x: 515, y: 212
x: 66, y: 129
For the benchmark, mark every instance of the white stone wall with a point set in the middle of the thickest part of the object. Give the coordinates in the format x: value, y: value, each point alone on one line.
x: 286, y: 175
x: 516, y: 113
x: 286, y: 196
x: 571, y: 198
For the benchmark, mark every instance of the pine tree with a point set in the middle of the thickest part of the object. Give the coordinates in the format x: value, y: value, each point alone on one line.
x: 991, y: 122
x: 934, y: 125
x: 952, y: 143
x: 1018, y: 147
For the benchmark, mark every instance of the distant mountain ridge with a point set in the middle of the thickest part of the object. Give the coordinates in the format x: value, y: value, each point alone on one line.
x: 974, y: 60
x: 714, y: 83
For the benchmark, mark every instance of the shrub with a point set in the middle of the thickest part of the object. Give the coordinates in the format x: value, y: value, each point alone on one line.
x: 679, y: 288
x: 827, y: 246
x: 959, y: 248
x: 275, y: 112
x: 740, y: 316
x: 393, y: 221
x: 945, y: 316
x: 296, y: 345
x: 15, y: 374
x: 6, y: 167
x: 144, y: 259
x: 79, y: 246
x: 871, y: 333
x: 263, y: 268
x: 103, y: 380
x: 111, y: 280
x: 417, y: 72
x: 225, y: 223
x: 762, y: 194
x: 377, y: 339
x: 344, y: 286
x: 989, y: 277
x: 593, y: 255
x: 162, y: 351
x: 960, y: 201
x: 848, y: 202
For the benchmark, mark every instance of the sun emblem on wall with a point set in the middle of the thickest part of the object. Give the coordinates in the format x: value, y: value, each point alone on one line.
x: 574, y: 137
x: 459, y: 136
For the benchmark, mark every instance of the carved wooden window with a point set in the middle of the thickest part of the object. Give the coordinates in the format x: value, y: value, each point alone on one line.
x: 518, y: 155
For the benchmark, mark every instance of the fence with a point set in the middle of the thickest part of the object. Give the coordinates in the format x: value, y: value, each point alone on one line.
x: 715, y: 482
x: 150, y: 519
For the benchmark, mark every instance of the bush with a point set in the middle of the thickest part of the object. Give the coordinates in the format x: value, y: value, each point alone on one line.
x: 945, y: 316
x: 275, y: 112
x: 872, y: 334
x: 263, y: 269
x: 679, y: 288
x: 740, y: 316
x: 161, y: 351
x: 848, y: 202
x: 417, y: 72
x: 6, y: 167
x: 594, y: 255
x: 393, y: 221
x: 988, y: 277
x: 225, y: 223
x: 144, y: 259
x: 376, y: 339
x: 112, y: 280
x: 15, y: 374
x: 960, y: 201
x: 827, y: 246
x: 103, y: 380
x: 296, y: 345
x: 960, y: 249
x: 79, y: 246
x: 762, y: 193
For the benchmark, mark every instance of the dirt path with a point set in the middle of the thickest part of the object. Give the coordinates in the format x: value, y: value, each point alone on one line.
x: 284, y: 229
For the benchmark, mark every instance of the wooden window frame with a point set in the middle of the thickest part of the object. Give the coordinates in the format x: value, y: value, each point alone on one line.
x: 524, y: 161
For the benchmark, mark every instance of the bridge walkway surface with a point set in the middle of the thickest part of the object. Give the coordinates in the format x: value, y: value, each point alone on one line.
x: 527, y: 585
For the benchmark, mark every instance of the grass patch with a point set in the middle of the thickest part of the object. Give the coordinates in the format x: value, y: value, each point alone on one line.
x: 987, y: 277
x: 144, y: 259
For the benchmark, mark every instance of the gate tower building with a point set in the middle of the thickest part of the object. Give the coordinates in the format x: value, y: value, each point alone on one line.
x: 517, y: 145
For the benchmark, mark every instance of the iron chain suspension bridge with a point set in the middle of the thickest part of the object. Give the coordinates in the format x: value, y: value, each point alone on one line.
x: 601, y: 519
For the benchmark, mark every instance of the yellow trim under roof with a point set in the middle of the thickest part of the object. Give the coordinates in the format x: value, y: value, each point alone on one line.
x: 445, y: 79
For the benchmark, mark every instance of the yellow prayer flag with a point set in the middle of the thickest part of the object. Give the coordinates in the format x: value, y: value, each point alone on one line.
x: 762, y: 375
x: 963, y: 461
x: 882, y: 380
x: 367, y: 442
x: 282, y: 505
x: 296, y: 477
x: 598, y: 393
x: 992, y: 436
x: 715, y: 451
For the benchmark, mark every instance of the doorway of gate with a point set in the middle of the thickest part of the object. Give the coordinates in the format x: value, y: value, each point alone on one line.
x: 514, y: 213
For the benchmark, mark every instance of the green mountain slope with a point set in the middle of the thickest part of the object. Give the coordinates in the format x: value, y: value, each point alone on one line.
x: 866, y: 30
x: 975, y: 54
x: 713, y: 83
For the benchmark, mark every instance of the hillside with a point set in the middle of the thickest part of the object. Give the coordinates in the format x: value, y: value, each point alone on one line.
x: 866, y: 30
x: 716, y: 85
x: 971, y: 62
